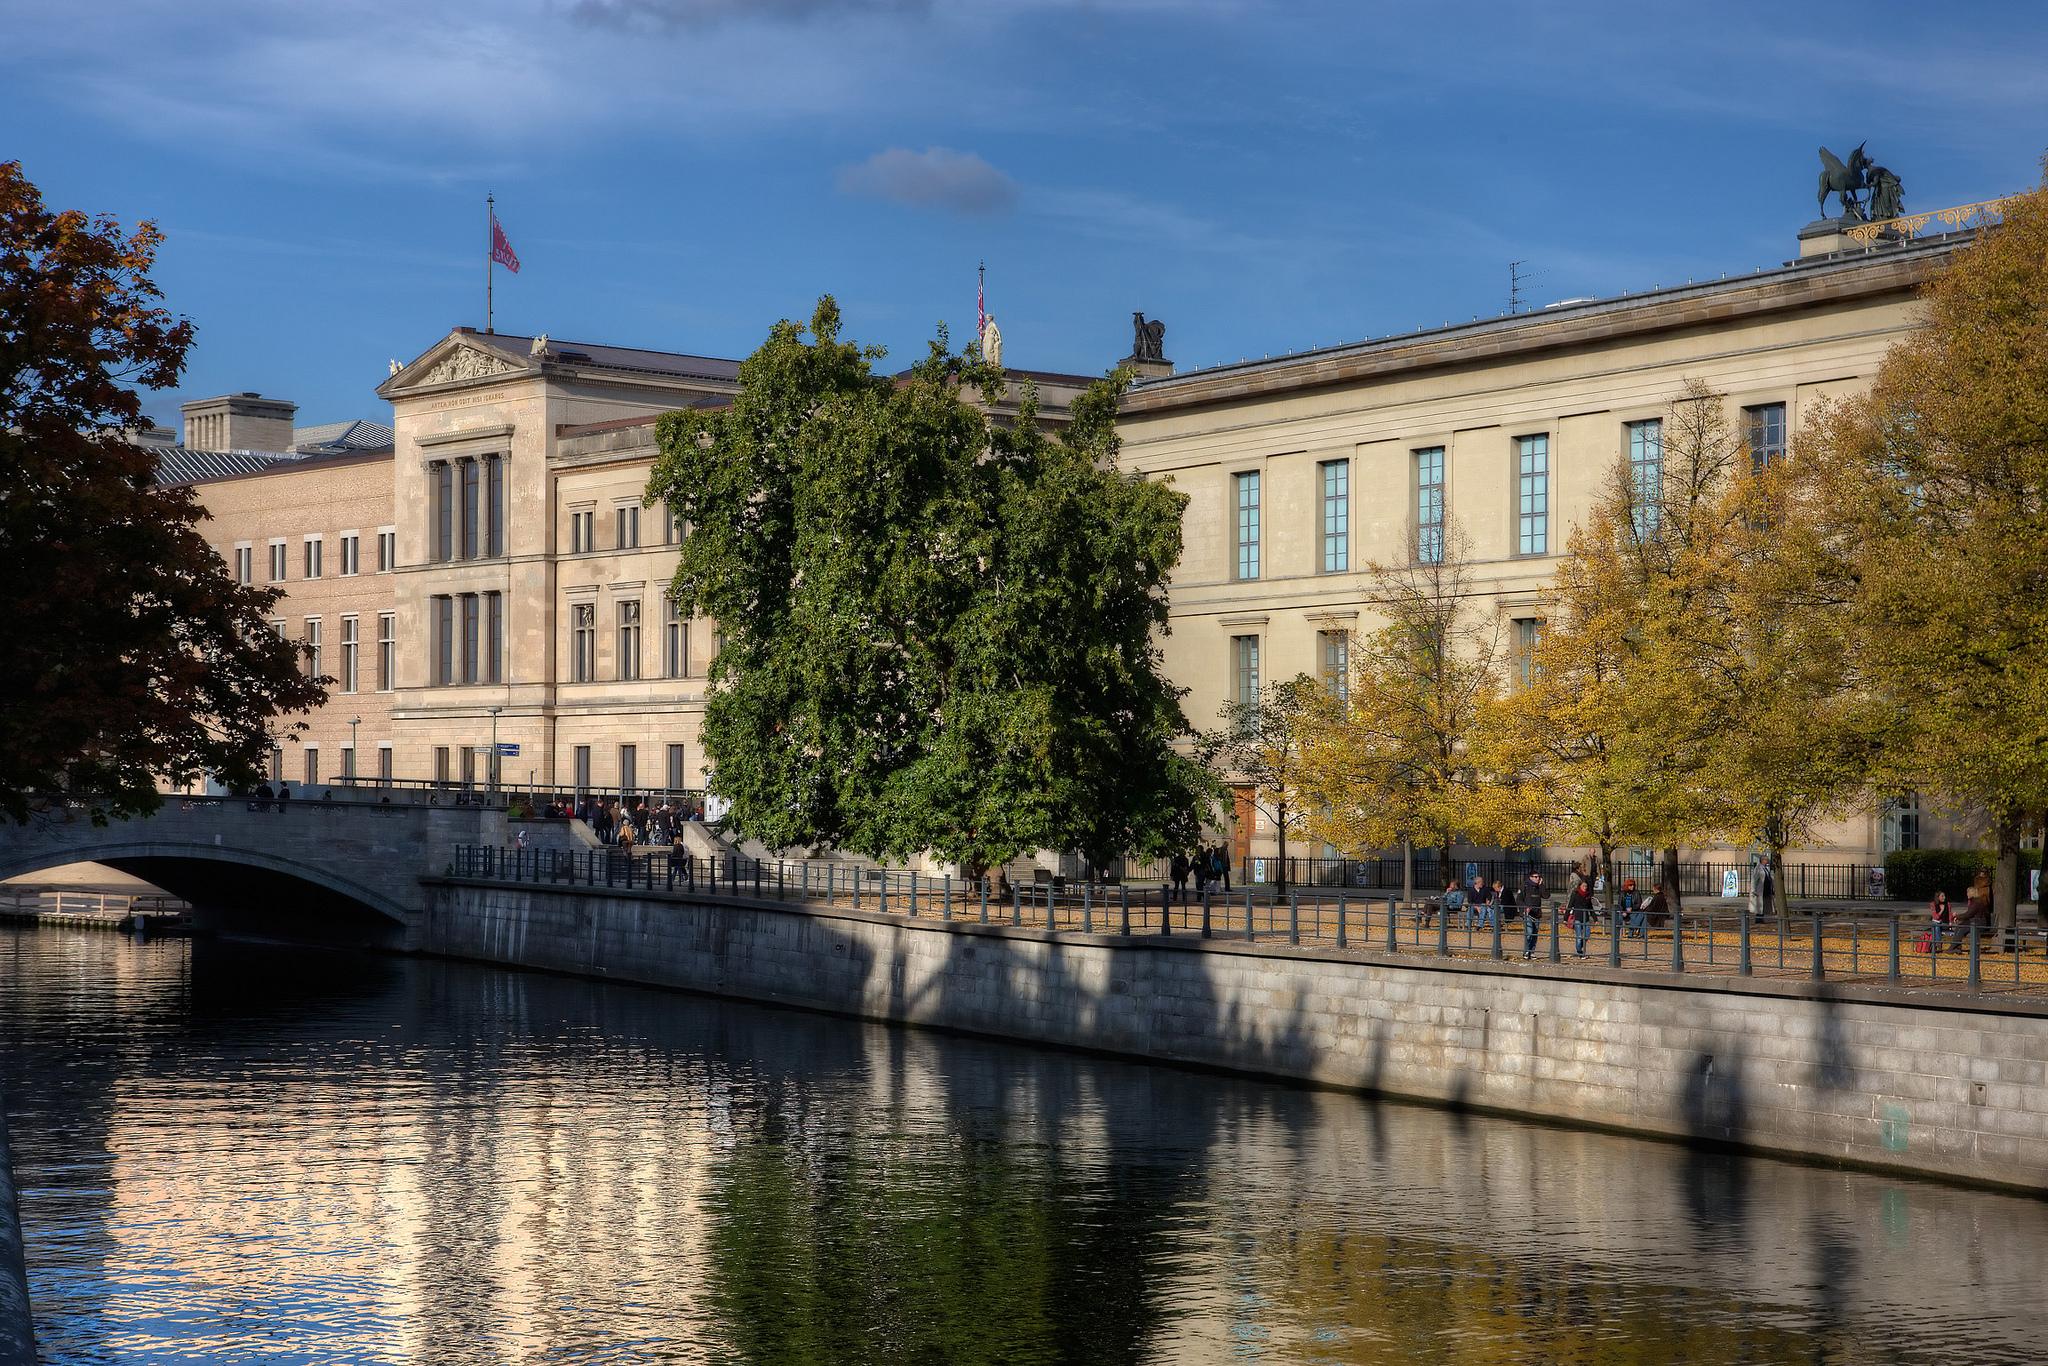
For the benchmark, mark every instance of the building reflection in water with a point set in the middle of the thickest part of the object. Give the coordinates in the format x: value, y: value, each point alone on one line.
x: 236, y: 1153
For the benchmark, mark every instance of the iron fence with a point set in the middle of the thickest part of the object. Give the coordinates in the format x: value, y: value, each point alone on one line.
x: 1802, y: 881
x: 1872, y: 945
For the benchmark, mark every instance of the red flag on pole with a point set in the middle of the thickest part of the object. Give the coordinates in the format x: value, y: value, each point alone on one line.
x: 501, y: 247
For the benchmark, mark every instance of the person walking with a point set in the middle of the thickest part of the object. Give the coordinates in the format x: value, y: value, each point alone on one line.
x: 1222, y: 867
x: 1580, y: 908
x: 1766, y: 892
x: 1179, y: 869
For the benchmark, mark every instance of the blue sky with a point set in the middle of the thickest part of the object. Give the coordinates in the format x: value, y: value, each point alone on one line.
x: 1266, y: 177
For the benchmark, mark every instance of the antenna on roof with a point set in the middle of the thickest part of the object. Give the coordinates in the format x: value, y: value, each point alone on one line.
x: 1517, y: 276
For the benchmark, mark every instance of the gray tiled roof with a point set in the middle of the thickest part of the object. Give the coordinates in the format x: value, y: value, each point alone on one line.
x: 343, y: 436
x: 612, y: 357
x: 184, y: 465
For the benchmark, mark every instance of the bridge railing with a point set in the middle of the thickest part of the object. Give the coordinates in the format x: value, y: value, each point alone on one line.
x: 1872, y: 946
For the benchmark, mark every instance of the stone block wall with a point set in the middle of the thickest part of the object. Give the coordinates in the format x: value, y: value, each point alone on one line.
x: 1932, y: 1084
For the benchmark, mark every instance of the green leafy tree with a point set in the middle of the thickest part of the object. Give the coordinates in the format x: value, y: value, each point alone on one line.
x: 939, y: 630
x: 1394, y: 764
x: 1921, y: 508
x: 1261, y: 744
x: 131, y: 655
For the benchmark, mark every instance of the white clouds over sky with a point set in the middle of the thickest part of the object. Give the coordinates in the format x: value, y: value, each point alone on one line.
x: 682, y: 172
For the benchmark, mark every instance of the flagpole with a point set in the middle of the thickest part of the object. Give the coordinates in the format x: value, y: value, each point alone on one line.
x: 490, y: 221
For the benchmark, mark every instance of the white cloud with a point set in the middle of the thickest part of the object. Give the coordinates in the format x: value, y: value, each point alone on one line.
x: 937, y: 177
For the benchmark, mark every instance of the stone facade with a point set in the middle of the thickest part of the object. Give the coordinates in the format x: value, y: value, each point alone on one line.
x: 313, y: 527
x: 1890, y: 1078
x: 1525, y: 412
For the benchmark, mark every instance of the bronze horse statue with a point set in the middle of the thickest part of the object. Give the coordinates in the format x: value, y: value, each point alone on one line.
x: 1838, y: 179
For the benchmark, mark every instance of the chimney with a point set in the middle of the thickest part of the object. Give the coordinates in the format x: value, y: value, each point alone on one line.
x: 239, y: 422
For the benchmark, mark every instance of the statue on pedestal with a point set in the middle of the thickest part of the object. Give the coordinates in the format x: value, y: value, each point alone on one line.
x: 992, y: 342
x: 1844, y: 181
x: 1148, y: 339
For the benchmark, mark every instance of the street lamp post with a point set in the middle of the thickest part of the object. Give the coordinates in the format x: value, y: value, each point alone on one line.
x: 353, y: 722
x: 494, y: 749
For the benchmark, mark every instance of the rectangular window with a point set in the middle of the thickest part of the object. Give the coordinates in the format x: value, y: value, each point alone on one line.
x: 627, y: 517
x: 349, y: 646
x: 387, y: 651
x: 678, y: 773
x: 443, y: 510
x: 384, y: 764
x: 583, y: 642
x: 675, y: 641
x: 494, y: 638
x: 494, y: 505
x: 1765, y: 427
x: 277, y: 555
x: 468, y: 469
x: 629, y: 768
x: 441, y: 770
x: 245, y: 564
x: 472, y: 644
x: 1532, y: 494
x: 1429, y: 505
x: 312, y: 765
x: 312, y: 557
x: 671, y: 526
x: 348, y: 764
x: 387, y: 550
x: 1333, y: 652
x: 1336, y: 516
x: 1244, y: 661
x: 582, y: 531
x: 351, y: 553
x: 313, y: 647
x: 469, y: 766
x: 1246, y: 501
x: 277, y: 763
x: 1646, y: 474
x: 1528, y: 631
x: 443, y: 631
x: 582, y: 769
x: 627, y: 643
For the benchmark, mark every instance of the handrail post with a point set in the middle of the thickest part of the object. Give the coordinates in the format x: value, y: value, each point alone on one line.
x: 1819, y: 969
x: 947, y: 912
x: 885, y: 891
x: 1340, y: 920
x: 1205, y: 915
x: 1016, y: 904
x: 1165, y: 913
x: 913, y: 893
x: 1087, y: 908
x: 1443, y: 932
x: 1123, y: 893
x: 1892, y: 965
x: 1742, y: 935
x: 1248, y: 934
x: 984, y: 897
x: 1555, y: 956
x: 1678, y: 939
x: 1613, y: 937
x: 1976, y: 959
x: 1496, y: 933
x: 1393, y: 926
x: 1293, y: 916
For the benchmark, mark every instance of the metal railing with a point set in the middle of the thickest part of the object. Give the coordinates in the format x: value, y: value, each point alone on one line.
x: 1867, y: 946
x: 1802, y: 881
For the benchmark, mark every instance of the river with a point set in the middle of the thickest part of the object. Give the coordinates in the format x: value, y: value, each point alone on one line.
x: 252, y: 1153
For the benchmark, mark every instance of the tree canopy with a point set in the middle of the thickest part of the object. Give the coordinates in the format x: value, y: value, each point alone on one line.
x: 937, y: 628
x: 131, y: 655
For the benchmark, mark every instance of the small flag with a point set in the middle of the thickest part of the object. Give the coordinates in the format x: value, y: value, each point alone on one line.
x: 501, y: 247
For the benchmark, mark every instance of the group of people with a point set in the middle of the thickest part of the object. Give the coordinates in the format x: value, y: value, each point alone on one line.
x: 1492, y: 905
x: 1207, y: 867
x: 623, y: 825
x: 1949, y: 929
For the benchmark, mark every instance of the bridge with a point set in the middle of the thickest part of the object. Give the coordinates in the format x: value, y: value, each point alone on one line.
x: 347, y: 867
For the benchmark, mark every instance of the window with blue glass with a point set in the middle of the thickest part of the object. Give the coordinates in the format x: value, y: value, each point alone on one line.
x: 1245, y: 665
x: 1532, y: 454
x: 1247, y: 525
x: 1646, y: 474
x: 1429, y: 504
x: 1336, y: 516
x: 1766, y: 433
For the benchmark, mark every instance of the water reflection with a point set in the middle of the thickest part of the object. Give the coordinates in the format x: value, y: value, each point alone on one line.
x: 235, y: 1153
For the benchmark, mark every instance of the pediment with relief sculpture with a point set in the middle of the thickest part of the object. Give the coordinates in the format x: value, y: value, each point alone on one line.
x: 452, y: 362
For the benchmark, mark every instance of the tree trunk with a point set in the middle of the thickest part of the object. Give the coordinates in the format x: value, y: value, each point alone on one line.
x: 1606, y: 875
x: 2005, y: 883
x: 1280, y: 878
x: 1674, y: 889
x: 1407, y: 870
x: 1781, y: 895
